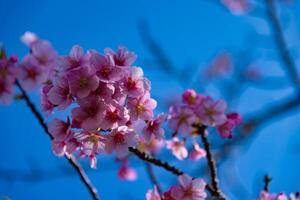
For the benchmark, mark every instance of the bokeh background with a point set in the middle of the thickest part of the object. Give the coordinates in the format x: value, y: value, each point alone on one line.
x: 177, y: 43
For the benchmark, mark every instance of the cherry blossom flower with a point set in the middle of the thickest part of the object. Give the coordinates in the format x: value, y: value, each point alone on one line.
x: 197, y: 152
x: 76, y: 58
x: 44, y: 54
x: 119, y: 140
x: 122, y: 57
x: 211, y: 113
x: 225, y: 130
x: 82, y: 81
x: 177, y: 148
x: 29, y: 38
x: 153, y: 128
x: 181, y: 119
x: 189, y: 189
x: 60, y: 94
x: 92, y: 143
x: 89, y: 114
x: 115, y: 115
x: 47, y: 106
x: 142, y: 107
x: 30, y: 74
x: 266, y: 196
x: 105, y: 67
x: 135, y: 84
x: 6, y: 92
x: 153, y: 194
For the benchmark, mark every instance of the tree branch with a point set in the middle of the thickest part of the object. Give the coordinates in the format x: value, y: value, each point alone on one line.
x: 267, y: 181
x: 282, y: 48
x: 83, y: 176
x: 152, y: 177
x: 211, y: 164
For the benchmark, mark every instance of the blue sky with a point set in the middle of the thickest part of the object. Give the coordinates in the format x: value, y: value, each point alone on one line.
x: 191, y: 32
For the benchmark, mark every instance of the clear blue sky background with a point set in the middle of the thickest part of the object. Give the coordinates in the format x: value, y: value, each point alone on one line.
x: 191, y: 32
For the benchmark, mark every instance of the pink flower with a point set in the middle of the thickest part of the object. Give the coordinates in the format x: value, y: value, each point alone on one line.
x: 150, y: 146
x: 225, y: 130
x: 153, y: 194
x: 82, y: 81
x: 30, y: 75
x: 266, y: 196
x: 127, y: 173
x: 119, y: 140
x: 89, y: 114
x: 191, y: 98
x: 106, y: 69
x: 122, y: 58
x: 44, y: 54
x: 153, y: 128
x: 142, y: 107
x: 134, y: 85
x: 60, y: 94
x: 76, y: 58
x: 7, y: 70
x: 211, y: 113
x: 178, y: 148
x: 92, y: 144
x: 237, y: 7
x: 105, y: 91
x: 197, y: 152
x: 181, y: 119
x: 64, y: 141
x: 29, y: 38
x: 6, y: 92
x: 189, y: 189
x: 115, y: 115
x: 47, y: 106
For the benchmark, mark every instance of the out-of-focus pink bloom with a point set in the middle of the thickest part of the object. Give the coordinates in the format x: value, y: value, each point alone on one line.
x: 47, y: 106
x: 237, y: 7
x: 225, y: 130
x: 6, y: 92
x: 122, y: 57
x: 76, y: 58
x: 282, y: 196
x: 142, y: 107
x: 59, y: 129
x: 168, y: 195
x: 92, y: 143
x: 153, y: 128
x: 60, y: 94
x: 29, y: 38
x: 191, y: 98
x: 89, y: 114
x: 30, y: 73
x: 153, y: 194
x: 82, y: 81
x: 127, y: 173
x: 221, y: 65
x: 8, y: 70
x: 266, y: 196
x: 115, y: 115
x: 181, y: 119
x: 119, y: 140
x: 105, y: 67
x: 211, y: 113
x: 153, y: 146
x: 197, y: 152
x: 134, y: 84
x: 45, y: 55
x: 189, y: 189
x: 177, y: 148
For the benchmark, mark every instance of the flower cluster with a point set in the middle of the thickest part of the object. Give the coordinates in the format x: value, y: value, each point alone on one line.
x: 108, y: 95
x: 281, y: 196
x: 187, y: 189
x: 194, y: 112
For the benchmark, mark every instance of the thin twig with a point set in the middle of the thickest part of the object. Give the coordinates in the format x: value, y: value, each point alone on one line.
x: 148, y: 158
x: 83, y: 176
x: 281, y: 44
x: 211, y: 164
x: 152, y: 177
x: 267, y: 181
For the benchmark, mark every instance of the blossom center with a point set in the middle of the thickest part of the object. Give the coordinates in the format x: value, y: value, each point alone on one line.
x: 119, y: 138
